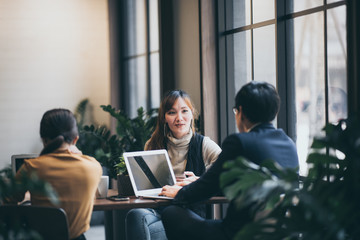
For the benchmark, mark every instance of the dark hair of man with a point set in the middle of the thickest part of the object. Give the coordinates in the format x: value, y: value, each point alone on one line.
x: 57, y: 126
x: 260, y: 101
x: 158, y: 139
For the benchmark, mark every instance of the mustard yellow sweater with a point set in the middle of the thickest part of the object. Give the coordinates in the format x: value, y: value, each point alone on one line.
x: 75, y: 178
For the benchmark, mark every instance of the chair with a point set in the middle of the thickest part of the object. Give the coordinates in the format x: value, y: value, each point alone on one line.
x: 50, y: 223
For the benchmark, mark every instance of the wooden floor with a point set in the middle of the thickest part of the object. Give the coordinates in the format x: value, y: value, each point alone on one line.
x: 96, y: 232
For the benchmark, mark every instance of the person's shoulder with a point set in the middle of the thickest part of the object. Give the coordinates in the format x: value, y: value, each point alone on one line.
x: 232, y: 140
x: 259, y: 131
x: 207, y: 139
x: 32, y: 162
x: 234, y: 137
x: 270, y: 129
x: 88, y: 164
x: 90, y: 160
x: 38, y: 158
x: 35, y: 161
x: 209, y: 143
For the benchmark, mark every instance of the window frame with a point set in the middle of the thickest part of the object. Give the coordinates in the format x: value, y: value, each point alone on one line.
x: 286, y: 82
x: 285, y: 79
x: 125, y: 98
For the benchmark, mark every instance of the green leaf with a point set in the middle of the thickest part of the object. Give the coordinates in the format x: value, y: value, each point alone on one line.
x: 319, y: 158
x: 318, y: 144
x: 131, y: 135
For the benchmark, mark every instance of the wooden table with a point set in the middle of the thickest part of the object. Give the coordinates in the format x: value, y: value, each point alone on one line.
x: 115, y: 211
x: 102, y: 204
x: 105, y: 204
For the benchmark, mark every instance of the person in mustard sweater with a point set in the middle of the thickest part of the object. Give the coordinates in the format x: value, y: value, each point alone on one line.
x: 73, y: 176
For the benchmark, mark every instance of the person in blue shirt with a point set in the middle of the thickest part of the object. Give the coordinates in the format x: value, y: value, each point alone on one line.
x: 256, y: 105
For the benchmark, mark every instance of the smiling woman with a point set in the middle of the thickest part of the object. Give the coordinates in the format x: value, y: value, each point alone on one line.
x: 179, y: 118
x: 190, y: 155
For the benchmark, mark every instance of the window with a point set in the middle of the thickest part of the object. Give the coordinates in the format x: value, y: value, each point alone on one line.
x: 140, y: 51
x: 300, y: 47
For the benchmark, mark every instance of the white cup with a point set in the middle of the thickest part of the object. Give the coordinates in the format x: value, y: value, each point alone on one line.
x: 102, y: 189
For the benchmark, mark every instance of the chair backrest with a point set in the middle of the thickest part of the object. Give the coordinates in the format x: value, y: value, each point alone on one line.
x: 48, y: 222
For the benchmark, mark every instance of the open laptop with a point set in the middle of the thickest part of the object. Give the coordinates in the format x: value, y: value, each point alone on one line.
x: 149, y: 171
x: 18, y: 160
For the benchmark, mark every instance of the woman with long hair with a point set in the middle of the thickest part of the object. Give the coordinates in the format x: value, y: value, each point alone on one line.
x: 190, y: 155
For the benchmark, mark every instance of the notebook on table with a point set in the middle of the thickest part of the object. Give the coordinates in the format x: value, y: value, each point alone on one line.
x: 149, y: 171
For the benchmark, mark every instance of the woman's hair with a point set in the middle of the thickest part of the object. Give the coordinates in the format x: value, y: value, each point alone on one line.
x: 158, y: 139
x: 260, y: 101
x: 56, y: 127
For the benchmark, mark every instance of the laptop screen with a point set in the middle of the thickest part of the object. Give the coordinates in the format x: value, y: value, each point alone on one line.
x: 149, y: 169
x: 18, y: 160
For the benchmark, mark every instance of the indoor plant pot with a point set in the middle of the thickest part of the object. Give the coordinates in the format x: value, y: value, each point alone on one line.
x: 124, y: 185
x: 123, y: 180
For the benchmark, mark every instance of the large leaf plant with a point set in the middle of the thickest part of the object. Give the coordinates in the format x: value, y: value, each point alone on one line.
x: 324, y: 205
x: 131, y: 135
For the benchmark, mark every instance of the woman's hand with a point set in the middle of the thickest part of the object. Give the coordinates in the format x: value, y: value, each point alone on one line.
x: 170, y: 191
x: 189, y: 178
x: 190, y: 175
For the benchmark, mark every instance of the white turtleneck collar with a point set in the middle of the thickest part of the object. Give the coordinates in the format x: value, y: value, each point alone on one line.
x: 178, y: 149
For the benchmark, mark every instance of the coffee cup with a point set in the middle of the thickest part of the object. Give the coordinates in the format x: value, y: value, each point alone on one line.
x: 103, y: 187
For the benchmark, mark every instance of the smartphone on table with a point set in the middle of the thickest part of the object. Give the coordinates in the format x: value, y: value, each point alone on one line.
x: 118, y: 198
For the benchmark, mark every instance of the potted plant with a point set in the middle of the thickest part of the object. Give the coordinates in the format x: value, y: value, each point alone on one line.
x: 123, y: 180
x: 131, y: 135
x: 324, y: 206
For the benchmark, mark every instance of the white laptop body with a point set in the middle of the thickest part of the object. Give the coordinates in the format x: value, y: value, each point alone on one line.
x: 149, y: 171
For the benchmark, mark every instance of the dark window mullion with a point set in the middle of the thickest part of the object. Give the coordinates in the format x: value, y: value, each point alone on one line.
x: 230, y: 83
x: 280, y: 63
x: 125, y: 14
x: 353, y: 57
x: 230, y: 76
x: 252, y: 39
x: 326, y: 79
x: 284, y: 71
x: 148, y: 62
x: 223, y: 79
